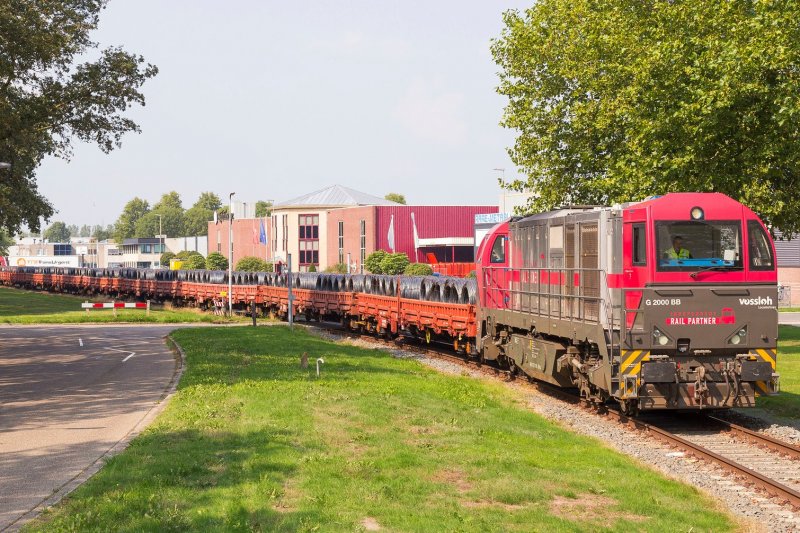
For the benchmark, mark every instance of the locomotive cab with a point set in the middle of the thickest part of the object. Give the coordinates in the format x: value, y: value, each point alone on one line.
x: 700, y: 292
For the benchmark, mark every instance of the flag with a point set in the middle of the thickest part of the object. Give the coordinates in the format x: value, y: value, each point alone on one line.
x: 255, y: 235
x: 262, y: 236
x: 416, y: 237
x: 390, y: 236
x: 216, y: 218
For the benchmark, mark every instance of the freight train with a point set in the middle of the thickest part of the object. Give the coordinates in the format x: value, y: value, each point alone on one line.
x: 669, y: 303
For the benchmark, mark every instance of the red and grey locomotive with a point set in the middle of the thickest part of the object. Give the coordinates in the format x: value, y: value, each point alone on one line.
x: 669, y: 303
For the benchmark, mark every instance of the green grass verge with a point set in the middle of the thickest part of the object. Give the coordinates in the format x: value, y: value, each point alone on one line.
x: 787, y: 403
x: 251, y: 442
x: 789, y: 309
x: 32, y: 307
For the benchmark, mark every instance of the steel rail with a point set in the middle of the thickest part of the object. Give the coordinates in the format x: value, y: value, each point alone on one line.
x: 773, y: 487
x: 759, y: 439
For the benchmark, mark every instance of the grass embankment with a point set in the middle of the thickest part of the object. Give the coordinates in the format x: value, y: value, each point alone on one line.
x: 253, y: 442
x: 32, y: 307
x: 787, y: 403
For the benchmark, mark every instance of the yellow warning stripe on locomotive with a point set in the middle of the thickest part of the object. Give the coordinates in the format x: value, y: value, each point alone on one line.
x: 631, y: 361
x: 770, y: 355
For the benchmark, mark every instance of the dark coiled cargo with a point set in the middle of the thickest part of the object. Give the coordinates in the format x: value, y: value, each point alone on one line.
x: 410, y: 287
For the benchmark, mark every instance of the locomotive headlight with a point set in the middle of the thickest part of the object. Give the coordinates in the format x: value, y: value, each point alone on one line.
x: 697, y: 213
x: 739, y: 336
x: 659, y: 337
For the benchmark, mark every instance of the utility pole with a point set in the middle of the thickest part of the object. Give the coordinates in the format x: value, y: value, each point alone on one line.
x: 230, y: 254
x: 160, y: 239
x: 289, y: 285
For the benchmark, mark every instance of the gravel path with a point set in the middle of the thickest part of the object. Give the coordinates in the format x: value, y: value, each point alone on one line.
x: 754, y: 509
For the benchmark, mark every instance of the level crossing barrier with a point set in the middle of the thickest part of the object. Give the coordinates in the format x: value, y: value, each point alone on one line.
x: 116, y: 305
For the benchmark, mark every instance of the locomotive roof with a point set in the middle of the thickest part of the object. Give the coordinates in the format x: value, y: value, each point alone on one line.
x: 560, y: 212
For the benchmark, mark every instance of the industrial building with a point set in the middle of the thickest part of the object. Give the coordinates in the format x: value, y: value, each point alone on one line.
x: 326, y: 227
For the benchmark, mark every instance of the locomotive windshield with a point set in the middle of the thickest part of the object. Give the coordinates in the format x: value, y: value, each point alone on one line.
x: 689, y: 245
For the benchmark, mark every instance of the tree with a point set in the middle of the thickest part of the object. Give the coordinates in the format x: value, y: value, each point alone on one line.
x: 195, y: 220
x: 102, y: 234
x: 208, y: 200
x: 394, y: 264
x: 373, y: 261
x: 57, y: 232
x: 165, y: 258
x: 253, y: 264
x: 263, y: 208
x: 73, y: 230
x: 171, y: 223
x: 615, y: 100
x: 5, y: 242
x: 196, y: 262
x: 125, y: 227
x: 338, y: 268
x: 418, y: 269
x: 170, y: 200
x: 85, y: 231
x: 396, y: 197
x: 48, y: 98
x: 216, y: 261
x: 183, y: 255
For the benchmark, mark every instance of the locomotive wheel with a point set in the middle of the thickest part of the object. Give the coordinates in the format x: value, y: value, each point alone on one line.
x: 629, y: 407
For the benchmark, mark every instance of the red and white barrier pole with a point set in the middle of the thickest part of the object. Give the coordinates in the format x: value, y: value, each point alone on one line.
x: 116, y: 305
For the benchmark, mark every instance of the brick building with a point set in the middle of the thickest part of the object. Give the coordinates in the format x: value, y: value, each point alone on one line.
x: 425, y: 233
x: 326, y: 227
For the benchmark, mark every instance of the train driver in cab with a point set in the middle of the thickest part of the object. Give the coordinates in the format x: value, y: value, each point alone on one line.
x: 677, y: 251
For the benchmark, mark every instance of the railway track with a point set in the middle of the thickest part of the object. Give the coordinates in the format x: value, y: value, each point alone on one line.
x: 756, y: 459
x: 753, y: 458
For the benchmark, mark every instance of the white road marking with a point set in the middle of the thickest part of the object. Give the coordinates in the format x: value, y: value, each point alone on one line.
x: 130, y: 353
x: 80, y: 341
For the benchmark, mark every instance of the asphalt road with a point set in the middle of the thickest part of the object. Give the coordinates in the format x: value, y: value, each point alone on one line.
x: 67, y: 396
x: 792, y: 319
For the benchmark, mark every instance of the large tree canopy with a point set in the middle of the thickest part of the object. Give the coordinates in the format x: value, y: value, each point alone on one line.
x: 615, y: 100
x: 58, y: 232
x: 47, y: 99
x: 125, y: 227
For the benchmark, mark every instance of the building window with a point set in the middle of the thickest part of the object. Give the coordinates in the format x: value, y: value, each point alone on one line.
x: 274, y: 230
x: 285, y: 233
x: 363, y: 243
x: 308, y: 228
x: 341, y: 241
x: 62, y: 249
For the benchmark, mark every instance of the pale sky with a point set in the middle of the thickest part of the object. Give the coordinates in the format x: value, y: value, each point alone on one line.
x: 274, y: 99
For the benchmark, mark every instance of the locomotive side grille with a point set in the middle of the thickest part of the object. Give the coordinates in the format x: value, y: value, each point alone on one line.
x: 590, y: 278
x: 571, y: 304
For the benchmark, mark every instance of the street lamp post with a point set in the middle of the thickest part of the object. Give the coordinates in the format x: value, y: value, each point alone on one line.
x: 230, y: 253
x: 160, y: 239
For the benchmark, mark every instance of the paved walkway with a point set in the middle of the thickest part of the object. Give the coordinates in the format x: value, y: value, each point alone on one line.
x: 68, y: 395
x: 790, y: 319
